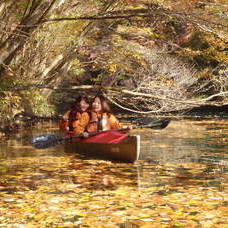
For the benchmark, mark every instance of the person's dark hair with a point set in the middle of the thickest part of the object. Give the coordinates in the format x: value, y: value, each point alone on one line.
x: 104, y: 104
x: 75, y: 106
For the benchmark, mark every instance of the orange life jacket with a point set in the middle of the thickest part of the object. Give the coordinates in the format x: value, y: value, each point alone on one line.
x: 102, y: 122
x: 74, y: 121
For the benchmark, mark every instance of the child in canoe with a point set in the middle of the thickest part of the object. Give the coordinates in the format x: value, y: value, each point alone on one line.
x: 101, y: 118
x: 77, y: 118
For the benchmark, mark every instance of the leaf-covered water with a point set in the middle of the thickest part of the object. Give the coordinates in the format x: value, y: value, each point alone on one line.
x: 180, y: 180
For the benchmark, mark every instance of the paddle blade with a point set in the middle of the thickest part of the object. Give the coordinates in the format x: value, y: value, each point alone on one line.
x: 157, y: 124
x: 46, y: 141
x: 160, y: 124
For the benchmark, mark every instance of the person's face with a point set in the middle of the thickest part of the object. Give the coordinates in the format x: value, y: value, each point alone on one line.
x: 83, y: 105
x: 96, y: 105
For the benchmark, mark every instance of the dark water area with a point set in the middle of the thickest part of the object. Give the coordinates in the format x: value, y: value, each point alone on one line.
x: 180, y: 180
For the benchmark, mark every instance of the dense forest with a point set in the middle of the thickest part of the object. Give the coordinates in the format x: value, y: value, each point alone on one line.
x: 145, y: 56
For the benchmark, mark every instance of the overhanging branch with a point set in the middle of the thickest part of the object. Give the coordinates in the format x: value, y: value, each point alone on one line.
x: 109, y: 90
x: 144, y: 13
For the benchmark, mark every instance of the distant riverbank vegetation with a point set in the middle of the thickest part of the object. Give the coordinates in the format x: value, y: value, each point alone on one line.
x: 145, y: 56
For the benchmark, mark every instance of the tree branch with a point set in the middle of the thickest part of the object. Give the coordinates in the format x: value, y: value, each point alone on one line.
x: 137, y: 13
x: 190, y: 103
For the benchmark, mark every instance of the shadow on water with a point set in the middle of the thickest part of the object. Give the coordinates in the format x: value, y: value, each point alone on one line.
x: 189, y: 158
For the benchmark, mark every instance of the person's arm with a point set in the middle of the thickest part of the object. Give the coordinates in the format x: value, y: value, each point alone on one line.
x: 63, y: 123
x: 92, y: 124
x: 114, y: 122
x: 66, y: 115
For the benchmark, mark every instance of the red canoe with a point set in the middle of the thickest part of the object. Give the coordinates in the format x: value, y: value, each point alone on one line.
x: 111, y: 145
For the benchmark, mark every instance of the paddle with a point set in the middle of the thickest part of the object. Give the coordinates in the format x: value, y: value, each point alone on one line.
x: 46, y: 141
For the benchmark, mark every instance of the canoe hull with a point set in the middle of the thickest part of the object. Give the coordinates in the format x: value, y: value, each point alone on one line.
x: 126, y: 151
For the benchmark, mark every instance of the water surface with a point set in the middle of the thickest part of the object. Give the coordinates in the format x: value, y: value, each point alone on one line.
x: 180, y: 180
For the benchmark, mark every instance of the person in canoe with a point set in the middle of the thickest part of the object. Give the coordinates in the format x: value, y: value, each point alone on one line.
x: 77, y: 118
x: 101, y: 118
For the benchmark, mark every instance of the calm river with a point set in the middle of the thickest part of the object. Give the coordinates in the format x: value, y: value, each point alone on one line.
x: 181, y: 180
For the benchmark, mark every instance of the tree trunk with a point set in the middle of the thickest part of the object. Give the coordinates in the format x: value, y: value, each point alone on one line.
x: 18, y: 37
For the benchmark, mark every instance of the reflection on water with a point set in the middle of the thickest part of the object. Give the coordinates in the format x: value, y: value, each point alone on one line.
x: 184, y: 141
x: 180, y: 180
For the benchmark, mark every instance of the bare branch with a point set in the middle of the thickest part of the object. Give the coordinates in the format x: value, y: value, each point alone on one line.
x: 108, y: 92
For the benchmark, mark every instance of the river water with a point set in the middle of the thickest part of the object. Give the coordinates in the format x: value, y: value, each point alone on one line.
x: 180, y: 180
